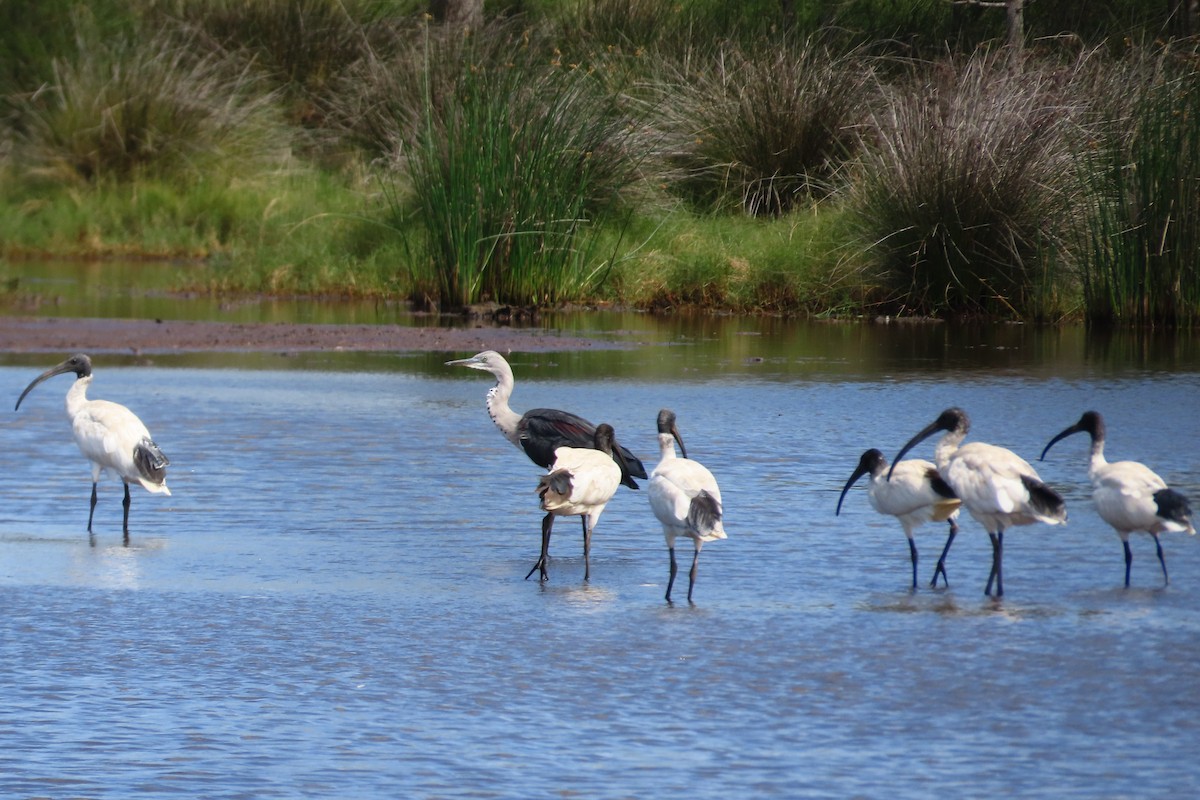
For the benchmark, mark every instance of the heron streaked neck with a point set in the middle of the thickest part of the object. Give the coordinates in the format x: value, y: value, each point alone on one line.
x: 77, y: 395
x: 505, y: 418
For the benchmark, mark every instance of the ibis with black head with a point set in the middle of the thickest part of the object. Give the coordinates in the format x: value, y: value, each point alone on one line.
x: 996, y: 486
x: 1128, y: 495
x: 580, y: 482
x: 684, y: 497
x: 110, y: 436
x: 915, y: 494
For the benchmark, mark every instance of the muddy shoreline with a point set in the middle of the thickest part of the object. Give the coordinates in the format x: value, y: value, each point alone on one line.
x: 68, y: 335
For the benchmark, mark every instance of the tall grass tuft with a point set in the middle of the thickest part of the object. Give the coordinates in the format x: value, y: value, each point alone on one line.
x: 508, y: 180
x: 965, y: 187
x: 302, y: 47
x: 1142, y: 236
x: 119, y: 110
x: 764, y: 129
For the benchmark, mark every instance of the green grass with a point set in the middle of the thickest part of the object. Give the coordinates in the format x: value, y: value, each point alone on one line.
x: 796, y: 263
x: 507, y: 182
x: 1143, y: 224
x: 644, y: 152
x: 963, y: 195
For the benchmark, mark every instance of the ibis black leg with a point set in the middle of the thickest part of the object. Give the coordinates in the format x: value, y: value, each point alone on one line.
x: 941, y: 565
x: 587, y: 548
x: 125, y: 521
x: 1128, y: 562
x: 997, y: 565
x: 674, y: 568
x: 692, y: 574
x: 92, y: 509
x: 912, y: 554
x: 547, y: 524
x: 1161, y: 560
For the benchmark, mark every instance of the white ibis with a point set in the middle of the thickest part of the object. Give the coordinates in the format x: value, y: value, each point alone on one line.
x: 685, y: 497
x: 539, y: 432
x: 915, y: 494
x: 109, y: 435
x: 580, y: 482
x: 999, y: 488
x: 1128, y: 495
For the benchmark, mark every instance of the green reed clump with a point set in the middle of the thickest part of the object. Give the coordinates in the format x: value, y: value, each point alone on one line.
x: 380, y: 102
x: 762, y: 129
x: 509, y: 179
x: 122, y: 109
x: 964, y: 189
x: 1142, y: 232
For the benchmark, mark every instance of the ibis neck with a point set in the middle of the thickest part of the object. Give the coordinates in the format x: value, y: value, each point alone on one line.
x: 505, y: 418
x: 946, y: 447
x: 77, y: 395
x: 1097, y: 459
x: 666, y: 447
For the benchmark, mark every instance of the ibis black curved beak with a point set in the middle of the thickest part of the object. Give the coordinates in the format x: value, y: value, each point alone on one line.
x: 859, y: 471
x: 926, y: 432
x: 678, y: 439
x: 65, y: 366
x: 1067, y: 432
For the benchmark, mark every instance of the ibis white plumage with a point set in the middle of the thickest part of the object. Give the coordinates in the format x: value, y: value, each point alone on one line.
x: 110, y: 436
x: 1128, y: 495
x: 685, y: 497
x: 915, y: 494
x: 580, y: 482
x: 996, y: 486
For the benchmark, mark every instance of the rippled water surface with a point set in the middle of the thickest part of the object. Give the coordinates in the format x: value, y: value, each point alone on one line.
x: 331, y: 602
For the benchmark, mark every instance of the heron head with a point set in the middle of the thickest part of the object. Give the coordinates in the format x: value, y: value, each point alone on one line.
x: 488, y: 361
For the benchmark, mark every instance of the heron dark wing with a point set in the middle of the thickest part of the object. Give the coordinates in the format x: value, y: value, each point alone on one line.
x: 632, y: 464
x: 544, y: 430
x: 151, y: 462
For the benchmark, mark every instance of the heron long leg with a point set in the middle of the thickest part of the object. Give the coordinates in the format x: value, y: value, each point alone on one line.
x: 1128, y: 562
x: 547, y: 524
x: 674, y: 568
x: 1161, y: 560
x: 92, y: 509
x: 941, y: 564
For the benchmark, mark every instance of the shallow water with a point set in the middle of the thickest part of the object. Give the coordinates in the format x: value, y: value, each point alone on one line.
x: 331, y: 602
